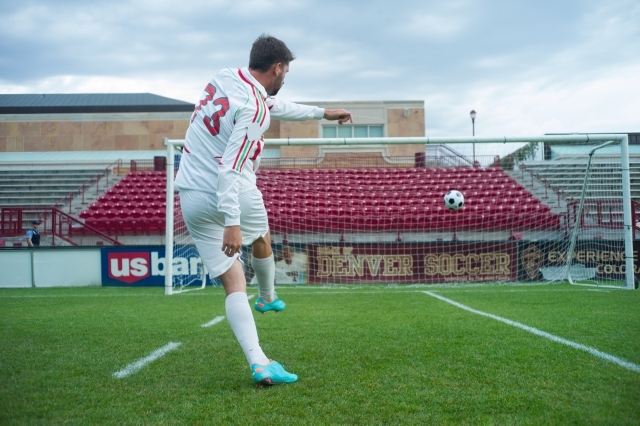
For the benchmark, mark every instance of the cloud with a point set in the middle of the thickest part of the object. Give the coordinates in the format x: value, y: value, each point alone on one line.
x: 433, y: 26
x: 525, y: 67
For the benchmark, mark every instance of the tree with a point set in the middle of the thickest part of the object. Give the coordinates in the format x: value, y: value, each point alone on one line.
x: 527, y: 152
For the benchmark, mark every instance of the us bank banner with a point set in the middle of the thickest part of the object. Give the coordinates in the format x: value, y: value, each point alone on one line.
x: 143, y: 266
x: 412, y: 263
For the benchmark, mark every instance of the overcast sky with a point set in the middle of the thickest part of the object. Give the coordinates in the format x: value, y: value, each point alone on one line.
x: 526, y: 67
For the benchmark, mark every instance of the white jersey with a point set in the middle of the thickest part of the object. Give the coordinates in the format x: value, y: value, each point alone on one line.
x: 224, y: 141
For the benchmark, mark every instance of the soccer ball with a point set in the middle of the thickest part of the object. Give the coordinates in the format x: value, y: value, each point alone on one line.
x: 453, y: 200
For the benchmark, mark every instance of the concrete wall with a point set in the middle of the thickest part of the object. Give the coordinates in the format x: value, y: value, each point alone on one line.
x: 45, y: 267
x: 90, y: 132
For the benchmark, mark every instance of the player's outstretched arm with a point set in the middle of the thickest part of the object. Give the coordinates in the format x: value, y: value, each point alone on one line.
x: 342, y: 115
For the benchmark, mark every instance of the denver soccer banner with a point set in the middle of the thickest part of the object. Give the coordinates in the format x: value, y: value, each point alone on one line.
x: 412, y: 263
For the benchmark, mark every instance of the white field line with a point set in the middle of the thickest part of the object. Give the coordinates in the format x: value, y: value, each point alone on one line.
x: 221, y: 318
x: 602, y: 355
x: 62, y: 296
x: 337, y: 290
x: 137, y: 366
x: 411, y: 290
x: 213, y: 321
x: 325, y: 291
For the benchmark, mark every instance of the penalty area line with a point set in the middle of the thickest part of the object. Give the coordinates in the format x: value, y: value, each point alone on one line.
x: 599, y: 354
x: 139, y: 364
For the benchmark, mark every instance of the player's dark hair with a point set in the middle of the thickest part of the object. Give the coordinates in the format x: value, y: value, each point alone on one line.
x: 266, y: 51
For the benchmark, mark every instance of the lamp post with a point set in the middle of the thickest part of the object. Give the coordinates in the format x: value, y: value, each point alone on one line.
x: 473, y: 132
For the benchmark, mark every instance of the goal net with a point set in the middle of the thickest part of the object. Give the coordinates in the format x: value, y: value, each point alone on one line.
x: 542, y: 209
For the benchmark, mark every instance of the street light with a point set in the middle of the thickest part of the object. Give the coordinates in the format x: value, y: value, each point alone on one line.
x: 473, y: 132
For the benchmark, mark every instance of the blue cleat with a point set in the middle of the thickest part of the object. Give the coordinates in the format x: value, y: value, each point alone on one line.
x: 262, y: 306
x: 271, y: 374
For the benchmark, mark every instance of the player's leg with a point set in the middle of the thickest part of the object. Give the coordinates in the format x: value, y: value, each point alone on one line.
x: 255, y: 228
x: 240, y: 316
x: 265, y: 372
x: 206, y: 226
x: 265, y: 270
x: 264, y: 267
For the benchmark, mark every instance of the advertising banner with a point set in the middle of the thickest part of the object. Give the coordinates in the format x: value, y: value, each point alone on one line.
x: 291, y: 264
x: 436, y: 262
x: 592, y: 259
x: 144, y: 266
x: 412, y: 263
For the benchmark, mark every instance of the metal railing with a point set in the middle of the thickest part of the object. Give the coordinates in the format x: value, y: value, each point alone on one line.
x: 596, y: 214
x: 57, y: 227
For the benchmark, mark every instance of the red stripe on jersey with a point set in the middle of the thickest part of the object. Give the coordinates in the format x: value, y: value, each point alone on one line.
x: 218, y: 156
x: 186, y: 150
x: 258, y: 151
x: 257, y: 106
x: 247, y: 156
x: 270, y: 106
x: 243, y: 77
x: 235, y: 162
x: 255, y: 94
x: 264, y: 116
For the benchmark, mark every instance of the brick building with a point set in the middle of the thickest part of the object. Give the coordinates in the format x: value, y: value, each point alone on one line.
x: 140, y: 121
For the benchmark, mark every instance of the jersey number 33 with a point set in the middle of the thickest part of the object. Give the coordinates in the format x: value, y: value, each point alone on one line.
x: 212, y: 122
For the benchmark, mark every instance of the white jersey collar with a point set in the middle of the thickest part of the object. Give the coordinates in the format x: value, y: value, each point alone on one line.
x: 247, y: 75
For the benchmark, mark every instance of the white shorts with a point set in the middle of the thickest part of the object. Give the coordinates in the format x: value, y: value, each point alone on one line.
x: 206, y: 225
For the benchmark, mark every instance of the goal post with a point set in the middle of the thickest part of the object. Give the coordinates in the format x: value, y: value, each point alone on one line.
x: 178, y: 244
x: 580, y: 217
x: 358, y: 223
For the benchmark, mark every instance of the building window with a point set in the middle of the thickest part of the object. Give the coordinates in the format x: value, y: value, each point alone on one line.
x: 345, y: 131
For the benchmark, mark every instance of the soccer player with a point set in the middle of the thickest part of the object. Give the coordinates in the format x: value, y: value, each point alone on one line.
x: 221, y: 204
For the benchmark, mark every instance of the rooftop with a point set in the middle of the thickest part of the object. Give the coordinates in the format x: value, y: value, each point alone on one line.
x: 61, y: 103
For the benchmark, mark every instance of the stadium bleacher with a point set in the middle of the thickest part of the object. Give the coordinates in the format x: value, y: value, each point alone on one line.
x: 358, y: 200
x: 43, y: 187
x: 396, y: 199
x: 567, y: 175
x: 136, y: 205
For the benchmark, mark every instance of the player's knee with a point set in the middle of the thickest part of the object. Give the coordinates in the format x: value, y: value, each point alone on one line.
x: 261, y: 248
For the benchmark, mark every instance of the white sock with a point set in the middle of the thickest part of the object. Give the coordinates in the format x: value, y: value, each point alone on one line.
x: 241, y: 320
x: 265, y: 270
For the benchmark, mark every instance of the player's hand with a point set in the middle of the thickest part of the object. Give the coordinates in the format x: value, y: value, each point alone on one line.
x: 231, y: 240
x: 342, y: 115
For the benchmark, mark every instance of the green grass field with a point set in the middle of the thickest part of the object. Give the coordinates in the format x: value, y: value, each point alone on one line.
x: 365, y: 355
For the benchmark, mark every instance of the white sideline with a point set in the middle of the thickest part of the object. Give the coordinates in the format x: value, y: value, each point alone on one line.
x: 602, y: 355
x: 136, y: 366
